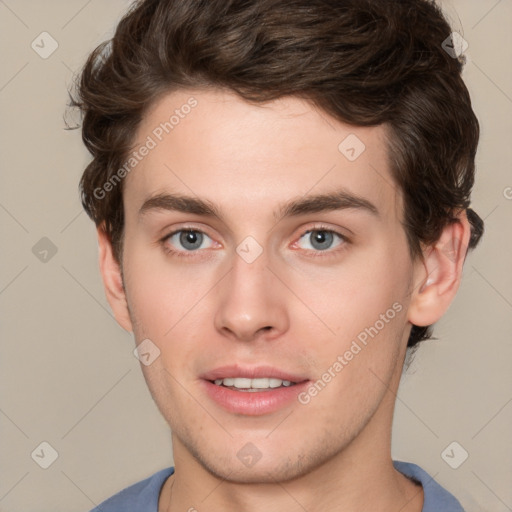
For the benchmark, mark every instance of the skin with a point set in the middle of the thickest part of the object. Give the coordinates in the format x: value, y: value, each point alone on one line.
x: 295, y: 307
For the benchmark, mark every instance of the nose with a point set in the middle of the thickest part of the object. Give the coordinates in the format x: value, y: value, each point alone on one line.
x: 251, y: 302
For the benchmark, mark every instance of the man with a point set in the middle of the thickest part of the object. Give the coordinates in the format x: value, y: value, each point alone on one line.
x: 281, y: 191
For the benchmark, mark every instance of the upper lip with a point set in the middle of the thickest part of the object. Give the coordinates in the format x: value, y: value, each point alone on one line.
x: 251, y: 372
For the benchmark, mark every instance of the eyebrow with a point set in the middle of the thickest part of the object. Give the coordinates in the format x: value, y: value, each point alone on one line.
x: 337, y: 200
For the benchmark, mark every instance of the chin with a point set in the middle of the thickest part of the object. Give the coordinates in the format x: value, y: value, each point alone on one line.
x: 268, y: 472
x: 272, y: 464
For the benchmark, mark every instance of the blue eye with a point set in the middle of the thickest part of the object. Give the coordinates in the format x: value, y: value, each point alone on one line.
x: 322, y: 239
x: 189, y: 239
x: 185, y: 242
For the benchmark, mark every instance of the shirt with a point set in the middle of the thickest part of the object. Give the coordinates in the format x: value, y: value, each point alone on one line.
x: 143, y: 496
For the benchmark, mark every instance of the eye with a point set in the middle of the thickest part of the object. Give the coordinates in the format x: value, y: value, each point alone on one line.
x: 189, y: 239
x: 322, y: 239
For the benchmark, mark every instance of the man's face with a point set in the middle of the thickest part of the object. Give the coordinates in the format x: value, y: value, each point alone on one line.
x: 317, y: 296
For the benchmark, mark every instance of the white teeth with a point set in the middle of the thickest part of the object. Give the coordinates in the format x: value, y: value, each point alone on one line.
x: 244, y: 383
x: 241, y: 383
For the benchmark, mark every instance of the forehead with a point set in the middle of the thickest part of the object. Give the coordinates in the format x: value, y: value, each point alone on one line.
x: 217, y: 146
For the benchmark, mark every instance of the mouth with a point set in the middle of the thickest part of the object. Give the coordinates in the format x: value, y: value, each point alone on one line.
x: 252, y: 391
x: 253, y: 385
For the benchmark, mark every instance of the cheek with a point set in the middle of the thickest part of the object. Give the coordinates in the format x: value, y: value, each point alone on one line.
x: 365, y: 305
x: 353, y: 296
x: 161, y: 293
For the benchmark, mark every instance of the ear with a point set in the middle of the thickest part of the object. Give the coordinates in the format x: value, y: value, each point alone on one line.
x: 438, y: 276
x: 112, y: 280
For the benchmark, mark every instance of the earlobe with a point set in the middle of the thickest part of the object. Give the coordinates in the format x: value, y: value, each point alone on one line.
x: 112, y: 280
x: 438, y: 276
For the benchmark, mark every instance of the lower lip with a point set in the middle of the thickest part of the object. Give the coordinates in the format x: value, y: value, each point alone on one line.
x: 253, y: 403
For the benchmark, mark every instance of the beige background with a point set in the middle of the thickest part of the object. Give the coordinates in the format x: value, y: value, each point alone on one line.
x: 68, y: 375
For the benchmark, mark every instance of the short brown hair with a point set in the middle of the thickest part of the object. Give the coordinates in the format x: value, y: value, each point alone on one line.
x: 364, y: 62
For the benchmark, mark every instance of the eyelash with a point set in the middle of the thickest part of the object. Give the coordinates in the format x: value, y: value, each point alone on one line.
x: 322, y: 254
